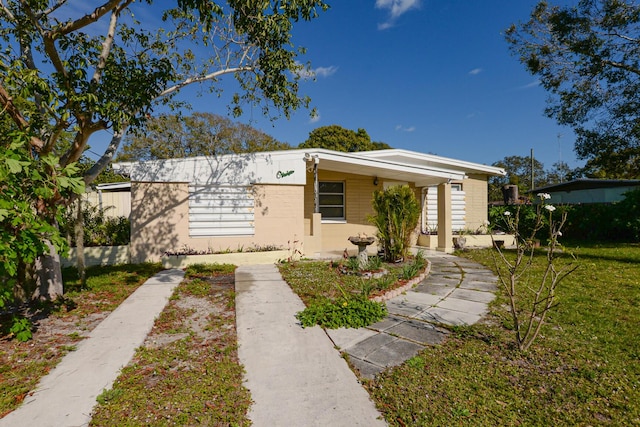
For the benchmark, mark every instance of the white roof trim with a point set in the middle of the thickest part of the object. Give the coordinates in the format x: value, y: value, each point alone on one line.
x: 114, y: 186
x: 398, y: 164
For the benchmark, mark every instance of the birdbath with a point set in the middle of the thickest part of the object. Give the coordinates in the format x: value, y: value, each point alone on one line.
x: 362, y: 242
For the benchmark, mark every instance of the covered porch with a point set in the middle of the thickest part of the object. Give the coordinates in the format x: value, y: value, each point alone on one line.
x: 330, y: 218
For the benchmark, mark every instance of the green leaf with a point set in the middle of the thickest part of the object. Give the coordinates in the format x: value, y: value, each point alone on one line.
x: 15, y: 166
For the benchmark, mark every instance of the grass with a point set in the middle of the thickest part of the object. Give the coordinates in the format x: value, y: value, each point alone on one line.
x: 317, y: 281
x: 60, y: 326
x: 584, y: 370
x: 187, y: 372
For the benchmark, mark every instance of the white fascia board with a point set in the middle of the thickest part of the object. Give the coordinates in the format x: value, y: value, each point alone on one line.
x: 391, y: 167
x: 234, y: 169
x: 113, y: 186
x: 414, y: 157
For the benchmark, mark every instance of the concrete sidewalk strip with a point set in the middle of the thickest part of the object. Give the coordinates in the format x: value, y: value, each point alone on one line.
x: 67, y: 395
x: 295, y: 375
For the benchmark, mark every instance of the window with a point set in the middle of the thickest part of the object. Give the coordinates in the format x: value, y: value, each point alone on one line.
x: 331, y: 199
x: 430, y: 208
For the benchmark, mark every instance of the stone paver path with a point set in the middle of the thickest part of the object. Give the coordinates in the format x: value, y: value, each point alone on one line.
x: 456, y: 292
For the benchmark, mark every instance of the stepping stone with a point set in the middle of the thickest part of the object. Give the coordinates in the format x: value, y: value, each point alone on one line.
x: 420, y: 332
x: 394, y: 353
x: 405, y: 308
x: 473, y: 295
x: 387, y: 322
x: 478, y: 285
x: 448, y: 317
x: 433, y: 289
x: 419, y: 299
x: 364, y: 348
x: 367, y: 369
x: 464, y: 306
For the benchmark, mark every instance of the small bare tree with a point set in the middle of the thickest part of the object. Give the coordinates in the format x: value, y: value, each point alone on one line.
x: 529, y: 315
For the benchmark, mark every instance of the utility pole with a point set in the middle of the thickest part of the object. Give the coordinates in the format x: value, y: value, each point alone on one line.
x: 532, y: 173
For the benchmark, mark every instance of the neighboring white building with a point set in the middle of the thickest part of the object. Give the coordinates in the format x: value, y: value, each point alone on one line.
x: 587, y: 190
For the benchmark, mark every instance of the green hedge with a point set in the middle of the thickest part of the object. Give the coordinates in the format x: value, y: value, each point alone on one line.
x: 615, y: 222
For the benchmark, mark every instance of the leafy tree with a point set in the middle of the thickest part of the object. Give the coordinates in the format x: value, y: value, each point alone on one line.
x: 561, y: 172
x: 337, y: 138
x: 201, y: 134
x: 518, y: 170
x: 586, y: 55
x: 69, y: 67
x: 29, y: 191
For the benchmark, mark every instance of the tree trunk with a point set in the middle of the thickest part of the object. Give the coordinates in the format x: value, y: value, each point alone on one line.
x: 48, y: 276
x: 78, y: 229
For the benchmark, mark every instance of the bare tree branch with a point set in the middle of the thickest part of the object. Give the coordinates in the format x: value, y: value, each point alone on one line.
x: 106, y: 45
x: 200, y: 79
x: 90, y: 18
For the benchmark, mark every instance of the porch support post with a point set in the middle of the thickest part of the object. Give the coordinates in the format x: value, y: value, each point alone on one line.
x: 445, y: 235
x: 316, y: 188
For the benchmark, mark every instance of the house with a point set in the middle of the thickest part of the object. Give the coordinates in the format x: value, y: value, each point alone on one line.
x: 587, y: 190
x: 312, y: 198
x: 113, y: 199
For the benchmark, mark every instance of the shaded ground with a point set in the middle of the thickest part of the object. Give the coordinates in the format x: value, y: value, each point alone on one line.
x: 58, y: 328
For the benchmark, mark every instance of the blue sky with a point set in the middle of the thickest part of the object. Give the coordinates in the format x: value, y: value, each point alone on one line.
x: 424, y: 75
x: 430, y: 76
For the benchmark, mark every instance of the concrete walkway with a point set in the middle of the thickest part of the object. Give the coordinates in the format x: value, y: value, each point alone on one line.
x: 67, y: 395
x: 456, y: 292
x: 295, y: 375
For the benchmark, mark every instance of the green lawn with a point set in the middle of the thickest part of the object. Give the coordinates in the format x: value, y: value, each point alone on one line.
x: 583, y: 370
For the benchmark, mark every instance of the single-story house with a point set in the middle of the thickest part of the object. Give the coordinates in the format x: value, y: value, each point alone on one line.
x: 310, y: 199
x: 113, y: 199
x: 587, y: 190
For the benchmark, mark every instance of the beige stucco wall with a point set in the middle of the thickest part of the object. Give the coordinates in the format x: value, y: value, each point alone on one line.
x: 160, y: 220
x: 358, y: 197
x: 358, y: 194
x: 476, y: 188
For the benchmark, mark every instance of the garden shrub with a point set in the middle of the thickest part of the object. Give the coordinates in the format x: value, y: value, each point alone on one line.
x: 527, y: 219
x: 99, y: 229
x: 397, y: 212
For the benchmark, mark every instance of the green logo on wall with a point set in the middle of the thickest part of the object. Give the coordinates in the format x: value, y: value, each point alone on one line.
x: 281, y: 174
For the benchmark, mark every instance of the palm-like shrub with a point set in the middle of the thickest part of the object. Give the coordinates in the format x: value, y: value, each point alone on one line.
x: 396, y: 216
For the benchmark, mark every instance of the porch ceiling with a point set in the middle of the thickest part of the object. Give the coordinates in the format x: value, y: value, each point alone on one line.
x: 420, y: 175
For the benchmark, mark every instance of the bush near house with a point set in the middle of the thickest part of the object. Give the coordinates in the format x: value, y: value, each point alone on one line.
x: 611, y: 222
x: 397, y: 212
x: 99, y: 229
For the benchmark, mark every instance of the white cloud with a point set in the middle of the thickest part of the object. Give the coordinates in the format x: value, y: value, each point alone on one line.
x: 475, y: 71
x: 401, y: 128
x: 325, y: 71
x: 534, y: 83
x: 396, y: 8
x: 318, y: 72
